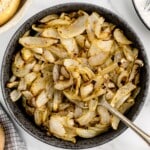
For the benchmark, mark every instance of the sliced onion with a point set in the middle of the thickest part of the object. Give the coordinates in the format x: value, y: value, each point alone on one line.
x: 38, y: 85
x: 58, y: 22
x: 41, y: 99
x: 34, y: 42
x: 85, y: 90
x: 56, y: 126
x: 98, y: 59
x: 70, y: 45
x: 48, y: 56
x: 22, y: 85
x: 104, y: 115
x: 86, y: 133
x: 74, y: 29
x: 30, y: 77
x: 49, y: 18
x: 61, y: 85
x: 57, y: 100
x: 55, y: 72
x: 50, y: 33
x: 15, y: 95
x: 86, y: 118
x: 120, y: 37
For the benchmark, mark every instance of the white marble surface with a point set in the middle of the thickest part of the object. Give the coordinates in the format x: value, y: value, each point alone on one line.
x: 124, y: 8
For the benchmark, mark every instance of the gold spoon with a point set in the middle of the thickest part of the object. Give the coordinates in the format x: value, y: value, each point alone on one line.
x: 126, y: 121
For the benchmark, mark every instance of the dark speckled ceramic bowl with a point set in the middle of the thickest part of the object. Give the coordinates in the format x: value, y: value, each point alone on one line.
x: 16, y: 110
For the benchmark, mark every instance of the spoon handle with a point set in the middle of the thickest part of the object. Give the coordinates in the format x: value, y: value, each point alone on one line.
x: 126, y: 121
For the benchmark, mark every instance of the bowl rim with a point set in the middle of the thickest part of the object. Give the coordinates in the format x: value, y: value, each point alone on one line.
x: 7, y: 51
x: 138, y: 14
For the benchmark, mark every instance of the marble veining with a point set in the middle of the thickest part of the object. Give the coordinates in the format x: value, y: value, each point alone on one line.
x: 124, y: 8
x: 111, y: 3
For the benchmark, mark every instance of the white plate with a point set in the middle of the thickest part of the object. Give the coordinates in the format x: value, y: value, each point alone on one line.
x: 16, y: 18
x: 142, y: 8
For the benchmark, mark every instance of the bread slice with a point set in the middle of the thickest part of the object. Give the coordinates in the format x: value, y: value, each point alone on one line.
x: 7, y: 9
x: 2, y: 138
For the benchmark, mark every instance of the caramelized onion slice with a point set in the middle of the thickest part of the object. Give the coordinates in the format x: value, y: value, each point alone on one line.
x: 76, y: 28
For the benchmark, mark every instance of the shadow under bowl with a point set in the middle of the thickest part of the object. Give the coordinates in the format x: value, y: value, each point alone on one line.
x: 15, y: 109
